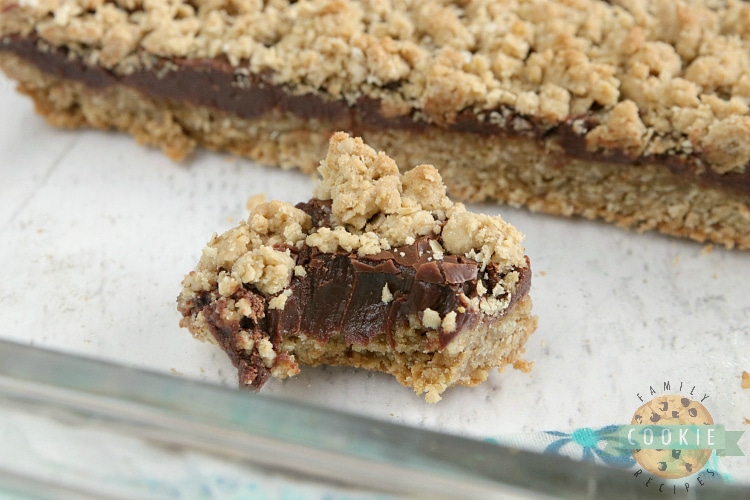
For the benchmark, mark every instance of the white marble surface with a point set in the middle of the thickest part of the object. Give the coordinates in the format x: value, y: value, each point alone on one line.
x: 96, y: 234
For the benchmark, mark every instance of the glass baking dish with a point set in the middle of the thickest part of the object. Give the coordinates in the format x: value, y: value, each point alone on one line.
x: 73, y: 427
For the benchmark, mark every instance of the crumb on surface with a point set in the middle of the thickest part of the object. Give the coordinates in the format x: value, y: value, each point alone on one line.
x: 523, y: 365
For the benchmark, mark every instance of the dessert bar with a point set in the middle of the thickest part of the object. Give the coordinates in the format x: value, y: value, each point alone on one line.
x: 378, y: 270
x: 631, y: 112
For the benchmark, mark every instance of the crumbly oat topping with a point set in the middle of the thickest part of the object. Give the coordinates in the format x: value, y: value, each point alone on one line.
x: 250, y: 253
x: 662, y: 77
x: 374, y: 208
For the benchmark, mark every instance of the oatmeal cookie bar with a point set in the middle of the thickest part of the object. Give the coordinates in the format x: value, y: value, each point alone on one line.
x: 632, y: 112
x: 379, y: 270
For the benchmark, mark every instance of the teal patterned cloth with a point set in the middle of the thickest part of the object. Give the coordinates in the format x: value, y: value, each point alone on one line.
x: 593, y: 445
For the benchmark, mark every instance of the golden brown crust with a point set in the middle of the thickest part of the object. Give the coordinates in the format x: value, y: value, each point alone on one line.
x: 661, y: 77
x: 468, y: 361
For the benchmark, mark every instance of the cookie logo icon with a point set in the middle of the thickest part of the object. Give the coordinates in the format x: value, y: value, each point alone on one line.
x: 672, y: 410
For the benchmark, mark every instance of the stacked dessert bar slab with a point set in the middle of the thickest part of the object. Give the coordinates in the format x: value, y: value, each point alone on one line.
x: 631, y: 112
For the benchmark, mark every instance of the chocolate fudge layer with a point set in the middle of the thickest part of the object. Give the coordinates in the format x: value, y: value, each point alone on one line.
x: 379, y: 270
x: 634, y: 113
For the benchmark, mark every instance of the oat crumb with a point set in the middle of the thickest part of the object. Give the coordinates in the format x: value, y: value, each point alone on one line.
x: 449, y: 322
x: 254, y: 201
x: 523, y: 365
x: 386, y: 295
x: 431, y: 319
x: 279, y: 301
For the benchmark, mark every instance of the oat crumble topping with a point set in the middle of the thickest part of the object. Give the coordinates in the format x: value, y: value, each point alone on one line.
x: 374, y: 208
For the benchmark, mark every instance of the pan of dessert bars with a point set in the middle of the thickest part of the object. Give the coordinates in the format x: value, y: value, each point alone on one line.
x: 103, y: 394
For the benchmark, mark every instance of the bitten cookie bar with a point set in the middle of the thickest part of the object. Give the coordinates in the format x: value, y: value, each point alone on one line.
x: 632, y: 112
x: 379, y: 270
